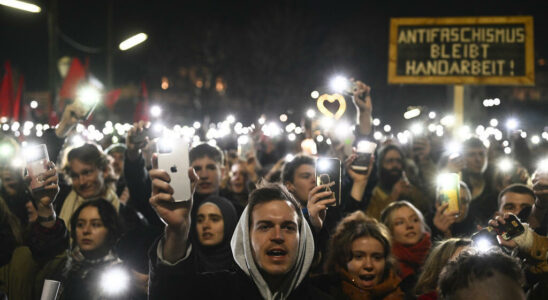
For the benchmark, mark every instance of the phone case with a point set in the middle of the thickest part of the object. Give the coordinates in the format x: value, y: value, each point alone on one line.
x: 176, y: 164
x: 331, y: 172
x: 449, y: 192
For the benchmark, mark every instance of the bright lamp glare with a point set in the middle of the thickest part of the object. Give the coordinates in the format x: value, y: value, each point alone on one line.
x: 114, y: 281
x: 483, y: 245
x: 6, y: 150
x: 310, y: 113
x: 133, y: 41
x: 156, y: 111
x: 512, y: 124
x: 505, y: 165
x: 323, y: 165
x: 289, y: 157
x: 417, y: 128
x: 243, y: 140
x: 543, y: 165
x: 230, y: 119
x: 89, y: 95
x: 412, y: 113
x: 339, y: 83
x: 21, y: 5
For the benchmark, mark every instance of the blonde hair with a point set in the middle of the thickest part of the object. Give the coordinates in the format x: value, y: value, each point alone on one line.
x: 386, y: 214
x: 437, y: 259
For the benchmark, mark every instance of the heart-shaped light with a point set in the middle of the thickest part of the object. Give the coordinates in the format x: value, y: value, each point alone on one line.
x: 331, y: 99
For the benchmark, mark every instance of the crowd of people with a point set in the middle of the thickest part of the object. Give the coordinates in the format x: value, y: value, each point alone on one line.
x: 259, y: 225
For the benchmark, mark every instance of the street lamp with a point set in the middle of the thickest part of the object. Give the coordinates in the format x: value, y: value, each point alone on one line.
x: 133, y: 41
x: 21, y: 5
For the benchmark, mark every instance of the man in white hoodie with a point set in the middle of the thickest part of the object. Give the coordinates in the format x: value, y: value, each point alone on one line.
x: 272, y: 246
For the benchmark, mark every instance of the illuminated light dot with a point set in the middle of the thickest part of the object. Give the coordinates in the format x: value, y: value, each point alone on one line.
x: 505, y: 143
x: 387, y: 128
x: 315, y: 94
x: 230, y: 119
x: 494, y: 122
x: 292, y: 137
x: 507, y: 150
x: 377, y: 135
x: 319, y: 138
x: 155, y: 111
x: 432, y: 115
x: 283, y: 117
x: 376, y: 122
x: 432, y: 127
x: 512, y: 124
x: 310, y: 113
x: 535, y: 139
x: 496, y: 101
x: 197, y: 125
x: 33, y: 104
x: 523, y: 134
x: 262, y: 120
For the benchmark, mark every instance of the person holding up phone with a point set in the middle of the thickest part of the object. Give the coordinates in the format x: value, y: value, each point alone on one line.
x: 531, y: 246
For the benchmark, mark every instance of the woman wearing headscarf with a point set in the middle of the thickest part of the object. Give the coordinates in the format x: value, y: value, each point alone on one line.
x: 216, y: 220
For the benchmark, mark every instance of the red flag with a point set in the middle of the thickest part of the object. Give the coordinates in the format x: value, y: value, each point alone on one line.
x: 17, y: 103
x: 76, y: 73
x: 53, y: 119
x: 6, y: 92
x: 141, y: 111
x: 112, y: 97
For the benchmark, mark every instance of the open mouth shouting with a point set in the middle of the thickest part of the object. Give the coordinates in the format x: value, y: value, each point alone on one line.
x: 368, y: 280
x: 277, y: 254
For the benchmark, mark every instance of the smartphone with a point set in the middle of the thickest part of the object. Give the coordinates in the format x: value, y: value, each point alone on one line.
x: 511, y: 229
x: 173, y: 158
x: 244, y: 147
x: 365, y: 150
x: 329, y: 170
x: 37, y: 159
x: 449, y: 191
x: 140, y: 137
x: 350, y: 87
x: 87, y: 99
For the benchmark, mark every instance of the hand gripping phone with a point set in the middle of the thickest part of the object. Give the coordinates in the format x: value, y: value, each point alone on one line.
x: 173, y: 158
x: 329, y: 170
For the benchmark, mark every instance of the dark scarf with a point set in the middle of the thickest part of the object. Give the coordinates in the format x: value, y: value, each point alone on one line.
x: 219, y: 257
x: 81, y: 276
x: 387, y: 289
x: 411, y: 258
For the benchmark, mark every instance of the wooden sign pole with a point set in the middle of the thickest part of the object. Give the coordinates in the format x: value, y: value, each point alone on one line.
x: 458, y: 105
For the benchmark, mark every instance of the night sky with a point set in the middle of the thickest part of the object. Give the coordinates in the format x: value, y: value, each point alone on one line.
x: 271, y: 54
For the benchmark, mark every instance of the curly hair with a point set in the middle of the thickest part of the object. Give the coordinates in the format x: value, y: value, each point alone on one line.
x: 352, y: 227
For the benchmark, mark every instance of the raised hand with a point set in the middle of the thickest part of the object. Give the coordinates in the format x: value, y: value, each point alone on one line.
x: 133, y: 143
x: 443, y: 220
x: 317, y: 205
x: 176, y: 215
